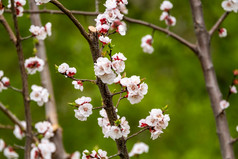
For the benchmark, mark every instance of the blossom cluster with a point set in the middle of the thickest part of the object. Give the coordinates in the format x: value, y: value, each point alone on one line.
x: 111, y: 19
x: 18, y: 4
x: 100, y: 154
x: 166, y: 6
x: 84, y: 108
x: 8, y: 151
x: 70, y: 72
x: 156, y: 122
x: 18, y: 132
x: 135, y: 89
x: 39, y: 2
x: 41, y: 32
x: 45, y: 148
x: 230, y: 5
x: 105, y: 69
x: 146, y: 44
x: 122, y: 127
x: 39, y: 95
x: 138, y: 149
x: 34, y: 64
x: 232, y: 90
x: 4, y: 81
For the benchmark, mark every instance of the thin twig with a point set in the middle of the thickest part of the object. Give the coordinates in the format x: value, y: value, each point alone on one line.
x: 15, y: 89
x: 218, y: 23
x: 123, y: 91
x: 11, y: 116
x: 8, y: 29
x: 137, y: 133
x: 18, y: 147
x: 114, y: 155
x: 82, y: 80
x: 46, y: 11
x: 6, y: 127
x: 173, y: 35
x: 234, y: 140
x: 118, y: 101
x: 27, y: 37
x: 24, y: 84
x: 98, y: 107
x: 72, y: 18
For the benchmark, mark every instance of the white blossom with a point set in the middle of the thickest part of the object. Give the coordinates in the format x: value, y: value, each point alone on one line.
x: 75, y: 155
x: 233, y: 89
x: 164, y: 15
x: 78, y: 85
x: 166, y: 6
x: 46, y: 148
x: 10, y: 153
x: 84, y: 108
x: 19, y: 6
x: 45, y: 128
x: 2, y: 87
x: 138, y: 149
x: 1, y: 74
x: 117, y: 79
x: 110, y: 4
x: 122, y: 29
x: 38, y: 32
x: 103, y: 70
x: 224, y: 104
x: 63, y: 68
x: 35, y: 153
x: 230, y: 5
x: 5, y: 81
x: 170, y: 21
x: 105, y: 40
x: 222, y: 32
x: 237, y: 128
x: 34, y: 64
x: 18, y: 132
x: 118, y: 63
x: 39, y: 2
x: 2, y: 145
x: 48, y: 28
x: 115, y: 132
x: 146, y: 44
x: 157, y: 121
x: 39, y: 94
x: 71, y: 71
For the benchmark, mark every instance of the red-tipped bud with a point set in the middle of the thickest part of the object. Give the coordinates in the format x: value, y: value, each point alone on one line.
x: 235, y: 72
x: 235, y: 82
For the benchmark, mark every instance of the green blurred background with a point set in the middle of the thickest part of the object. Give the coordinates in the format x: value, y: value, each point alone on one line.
x: 172, y: 73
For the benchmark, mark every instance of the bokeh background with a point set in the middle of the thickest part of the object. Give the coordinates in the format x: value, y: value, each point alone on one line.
x: 172, y: 72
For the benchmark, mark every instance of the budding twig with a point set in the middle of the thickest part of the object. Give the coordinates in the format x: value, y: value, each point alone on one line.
x: 114, y: 155
x: 27, y: 37
x: 98, y: 107
x: 218, y: 23
x: 15, y: 89
x: 82, y: 80
x: 6, y: 127
x: 118, y: 92
x: 137, y: 133
x: 234, y: 140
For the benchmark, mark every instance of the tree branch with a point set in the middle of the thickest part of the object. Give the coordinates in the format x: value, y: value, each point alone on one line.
x: 97, y: 5
x: 24, y: 84
x: 8, y: 29
x: 11, y: 116
x: 204, y: 54
x: 15, y: 89
x: 72, y: 18
x: 131, y: 20
x: 218, y: 23
x: 106, y: 94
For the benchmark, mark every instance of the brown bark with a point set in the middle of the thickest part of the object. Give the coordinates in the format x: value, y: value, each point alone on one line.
x: 204, y: 54
x: 50, y: 106
x: 106, y: 94
x: 24, y: 85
